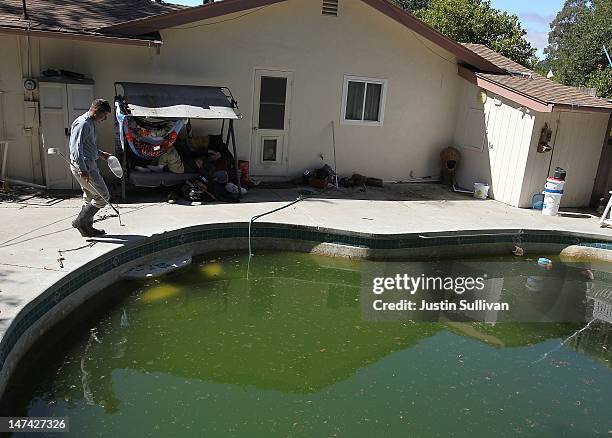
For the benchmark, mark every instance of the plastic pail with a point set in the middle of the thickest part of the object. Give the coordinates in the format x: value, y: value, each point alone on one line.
x: 481, y: 190
x: 551, y: 204
x: 554, y: 185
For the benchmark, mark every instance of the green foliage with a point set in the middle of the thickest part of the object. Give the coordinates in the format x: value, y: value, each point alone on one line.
x: 412, y: 5
x: 564, y: 21
x: 576, y: 41
x: 542, y: 67
x: 601, y: 80
x: 475, y: 21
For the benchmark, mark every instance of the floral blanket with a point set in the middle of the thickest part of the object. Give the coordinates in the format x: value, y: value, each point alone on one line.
x: 147, y: 140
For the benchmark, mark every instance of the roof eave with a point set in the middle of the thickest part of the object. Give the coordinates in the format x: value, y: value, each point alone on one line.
x: 112, y: 39
x: 459, y: 50
x: 595, y: 109
x: 183, y: 16
x: 216, y: 9
x: 522, y: 98
x: 510, y: 94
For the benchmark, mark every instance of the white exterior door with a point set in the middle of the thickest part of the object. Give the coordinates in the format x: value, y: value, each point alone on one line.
x: 60, y: 104
x: 271, y: 123
x: 507, y: 138
x: 54, y: 124
x: 79, y: 100
x: 577, y: 148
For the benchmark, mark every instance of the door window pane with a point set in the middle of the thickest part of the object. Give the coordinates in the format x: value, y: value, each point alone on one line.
x: 273, y: 90
x: 269, y: 149
x: 354, y: 100
x: 271, y: 116
x: 272, y: 95
x: 372, y: 102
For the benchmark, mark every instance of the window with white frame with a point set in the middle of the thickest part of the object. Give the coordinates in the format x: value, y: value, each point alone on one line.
x: 363, y: 100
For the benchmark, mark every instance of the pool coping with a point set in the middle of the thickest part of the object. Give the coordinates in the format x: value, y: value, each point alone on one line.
x: 81, y: 284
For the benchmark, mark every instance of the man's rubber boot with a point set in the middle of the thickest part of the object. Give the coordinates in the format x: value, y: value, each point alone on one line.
x: 79, y: 222
x: 88, y: 221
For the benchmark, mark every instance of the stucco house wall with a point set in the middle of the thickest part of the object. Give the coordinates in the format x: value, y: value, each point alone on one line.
x: 24, y: 161
x: 428, y: 106
x: 422, y: 94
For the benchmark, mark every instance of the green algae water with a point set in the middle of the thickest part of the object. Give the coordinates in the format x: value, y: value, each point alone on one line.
x: 204, y: 352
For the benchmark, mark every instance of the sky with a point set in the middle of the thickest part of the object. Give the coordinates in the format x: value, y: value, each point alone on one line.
x: 535, y: 16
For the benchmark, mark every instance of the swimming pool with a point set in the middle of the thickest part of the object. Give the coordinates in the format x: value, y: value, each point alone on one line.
x: 293, y: 351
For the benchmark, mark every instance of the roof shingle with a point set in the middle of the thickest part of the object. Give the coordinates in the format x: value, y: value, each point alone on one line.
x: 530, y: 83
x: 77, y: 15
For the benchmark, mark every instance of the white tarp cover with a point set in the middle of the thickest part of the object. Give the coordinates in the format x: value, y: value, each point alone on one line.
x: 177, y: 101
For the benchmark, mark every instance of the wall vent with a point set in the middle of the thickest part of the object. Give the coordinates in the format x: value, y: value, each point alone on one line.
x: 330, y: 7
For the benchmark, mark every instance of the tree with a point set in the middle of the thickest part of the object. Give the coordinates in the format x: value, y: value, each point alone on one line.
x: 412, y: 5
x: 601, y: 80
x: 563, y: 23
x: 576, y: 41
x: 542, y: 66
x: 475, y: 21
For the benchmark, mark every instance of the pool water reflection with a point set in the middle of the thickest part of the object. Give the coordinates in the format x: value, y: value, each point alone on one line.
x: 206, y: 352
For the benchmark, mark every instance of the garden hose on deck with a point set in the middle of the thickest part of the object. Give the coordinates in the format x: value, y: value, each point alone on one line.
x: 254, y: 218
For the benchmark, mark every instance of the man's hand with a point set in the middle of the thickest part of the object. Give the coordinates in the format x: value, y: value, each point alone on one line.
x: 104, y: 155
x: 84, y: 175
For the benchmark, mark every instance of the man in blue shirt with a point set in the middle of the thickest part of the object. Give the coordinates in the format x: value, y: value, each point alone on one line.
x: 83, y: 156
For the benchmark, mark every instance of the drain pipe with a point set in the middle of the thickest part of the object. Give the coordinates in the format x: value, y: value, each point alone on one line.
x: 460, y: 190
x: 18, y: 182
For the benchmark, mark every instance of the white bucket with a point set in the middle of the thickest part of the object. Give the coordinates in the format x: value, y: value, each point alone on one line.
x: 481, y: 190
x: 554, y: 185
x: 551, y: 204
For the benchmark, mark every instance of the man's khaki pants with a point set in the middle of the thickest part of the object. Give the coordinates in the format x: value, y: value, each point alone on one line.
x: 99, y: 199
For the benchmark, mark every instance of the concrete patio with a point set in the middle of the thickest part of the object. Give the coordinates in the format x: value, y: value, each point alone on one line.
x: 36, y: 226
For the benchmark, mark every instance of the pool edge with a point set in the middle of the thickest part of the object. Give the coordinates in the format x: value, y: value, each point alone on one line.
x: 60, y: 299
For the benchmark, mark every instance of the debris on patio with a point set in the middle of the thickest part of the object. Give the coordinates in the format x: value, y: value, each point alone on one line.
x: 325, y: 177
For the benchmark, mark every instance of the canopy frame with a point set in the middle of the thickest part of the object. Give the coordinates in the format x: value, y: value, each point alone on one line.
x: 201, y: 115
